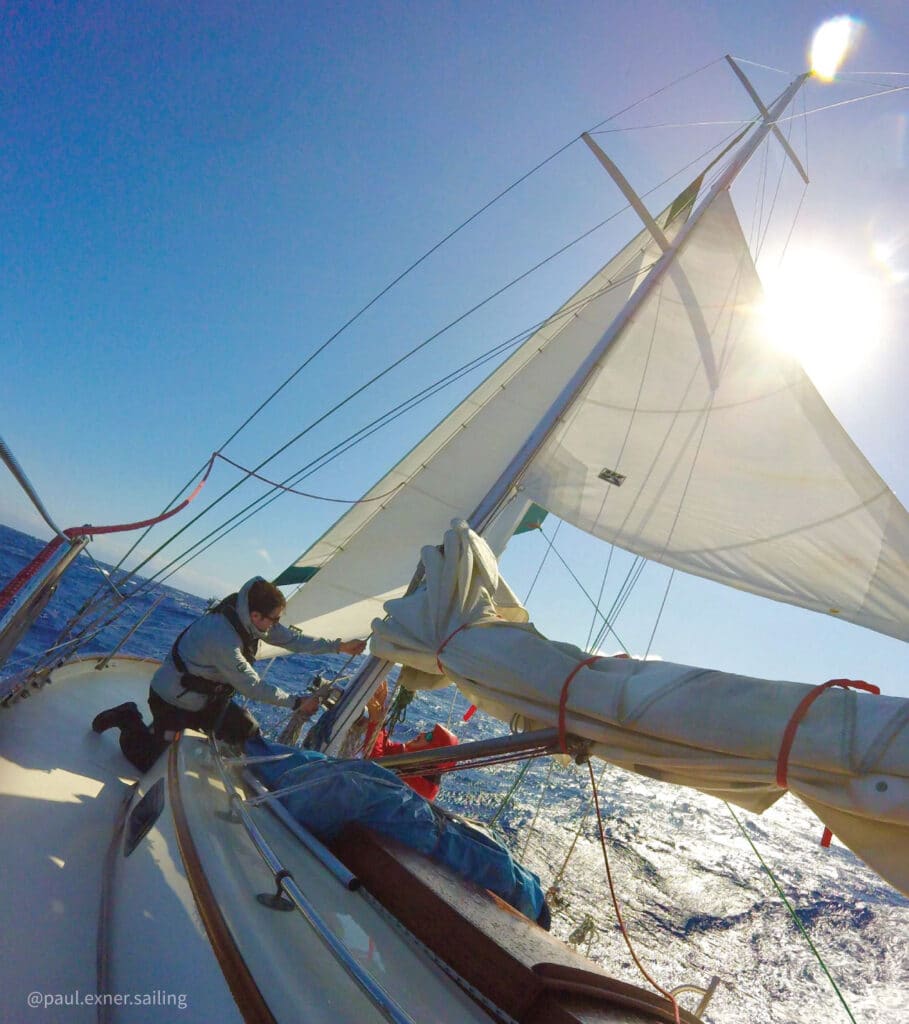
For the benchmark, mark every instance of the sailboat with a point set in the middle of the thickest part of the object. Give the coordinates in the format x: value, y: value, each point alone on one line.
x: 650, y: 412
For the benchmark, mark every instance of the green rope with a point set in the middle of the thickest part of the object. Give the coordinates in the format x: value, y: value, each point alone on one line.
x: 511, y: 792
x: 398, y: 711
x: 792, y: 912
x: 544, y: 789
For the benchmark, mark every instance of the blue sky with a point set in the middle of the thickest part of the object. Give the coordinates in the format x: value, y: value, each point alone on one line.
x: 196, y: 196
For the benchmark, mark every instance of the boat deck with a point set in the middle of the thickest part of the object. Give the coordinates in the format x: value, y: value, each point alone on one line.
x: 61, y: 789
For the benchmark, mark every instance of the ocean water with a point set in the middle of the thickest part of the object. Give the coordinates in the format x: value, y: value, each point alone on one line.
x: 696, y: 901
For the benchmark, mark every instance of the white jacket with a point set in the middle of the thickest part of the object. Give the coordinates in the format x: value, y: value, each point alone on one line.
x: 211, y: 648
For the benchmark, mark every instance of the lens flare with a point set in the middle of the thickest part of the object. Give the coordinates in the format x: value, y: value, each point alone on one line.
x: 826, y: 312
x: 830, y: 45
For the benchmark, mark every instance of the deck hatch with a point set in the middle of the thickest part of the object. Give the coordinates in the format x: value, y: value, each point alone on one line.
x: 143, y: 816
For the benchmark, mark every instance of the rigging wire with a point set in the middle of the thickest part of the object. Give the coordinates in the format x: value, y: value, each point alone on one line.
x: 210, y: 534
x: 506, y: 800
x: 792, y: 911
x: 389, y: 416
x: 433, y: 337
x: 844, y: 103
x: 617, y: 463
x: 400, y: 277
x: 583, y: 589
x: 663, y: 88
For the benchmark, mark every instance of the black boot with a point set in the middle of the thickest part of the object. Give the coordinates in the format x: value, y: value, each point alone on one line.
x: 119, y: 716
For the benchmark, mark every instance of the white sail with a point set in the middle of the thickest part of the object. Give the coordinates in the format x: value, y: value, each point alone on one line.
x: 697, y: 444
x: 734, y: 468
x: 370, y: 554
x: 714, y: 731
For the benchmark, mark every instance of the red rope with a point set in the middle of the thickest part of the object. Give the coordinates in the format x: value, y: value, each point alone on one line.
x: 782, y: 761
x: 27, y: 572
x: 450, y: 636
x: 615, y: 899
x: 563, y: 699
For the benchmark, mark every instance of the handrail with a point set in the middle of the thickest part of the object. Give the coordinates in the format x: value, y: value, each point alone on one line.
x: 325, y: 857
x: 20, y: 614
x: 285, y: 883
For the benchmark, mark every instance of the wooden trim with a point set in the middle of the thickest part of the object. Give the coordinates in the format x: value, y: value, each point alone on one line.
x: 243, y: 987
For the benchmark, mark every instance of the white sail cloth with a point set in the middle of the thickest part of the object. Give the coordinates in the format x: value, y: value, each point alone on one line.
x: 369, y: 554
x: 717, y: 732
x: 697, y: 443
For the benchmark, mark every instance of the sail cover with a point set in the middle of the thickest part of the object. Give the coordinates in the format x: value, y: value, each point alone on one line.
x: 370, y: 554
x: 717, y: 732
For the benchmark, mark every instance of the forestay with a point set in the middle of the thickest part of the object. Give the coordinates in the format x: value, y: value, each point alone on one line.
x: 717, y: 732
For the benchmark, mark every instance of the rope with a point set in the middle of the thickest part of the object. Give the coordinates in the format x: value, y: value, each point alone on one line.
x: 511, y: 792
x: 75, y: 532
x: 563, y: 699
x: 782, y: 761
x: 553, y: 888
x: 792, y: 912
x: 536, y: 813
x: 615, y: 904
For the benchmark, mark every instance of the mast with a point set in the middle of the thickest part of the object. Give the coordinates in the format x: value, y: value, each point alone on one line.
x: 349, y: 708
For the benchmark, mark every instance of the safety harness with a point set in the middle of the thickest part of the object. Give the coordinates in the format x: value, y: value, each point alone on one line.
x: 209, y: 687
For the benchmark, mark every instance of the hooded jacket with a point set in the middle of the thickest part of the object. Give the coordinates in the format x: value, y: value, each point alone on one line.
x: 211, y: 648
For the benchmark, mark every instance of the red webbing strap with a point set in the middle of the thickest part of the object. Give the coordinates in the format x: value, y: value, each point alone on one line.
x: 563, y: 699
x: 27, y: 572
x: 782, y: 761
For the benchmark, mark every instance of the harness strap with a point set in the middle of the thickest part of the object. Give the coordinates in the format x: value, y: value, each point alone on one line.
x: 209, y: 687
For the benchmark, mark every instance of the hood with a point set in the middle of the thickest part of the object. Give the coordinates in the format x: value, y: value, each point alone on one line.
x: 243, y: 608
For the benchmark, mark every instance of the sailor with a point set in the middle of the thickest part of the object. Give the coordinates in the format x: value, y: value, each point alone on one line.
x: 210, y: 661
x: 378, y: 744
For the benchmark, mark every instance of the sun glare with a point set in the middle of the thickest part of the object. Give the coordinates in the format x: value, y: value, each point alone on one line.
x: 830, y: 45
x: 825, y: 312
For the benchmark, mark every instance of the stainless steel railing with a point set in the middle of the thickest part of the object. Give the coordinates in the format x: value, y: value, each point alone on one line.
x: 285, y: 885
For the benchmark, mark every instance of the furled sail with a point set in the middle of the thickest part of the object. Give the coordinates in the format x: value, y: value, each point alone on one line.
x: 714, y: 731
x: 370, y: 554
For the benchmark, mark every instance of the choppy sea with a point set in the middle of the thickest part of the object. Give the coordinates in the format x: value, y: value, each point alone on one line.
x: 696, y: 900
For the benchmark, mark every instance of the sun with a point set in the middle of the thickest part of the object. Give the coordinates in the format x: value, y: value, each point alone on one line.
x: 825, y: 311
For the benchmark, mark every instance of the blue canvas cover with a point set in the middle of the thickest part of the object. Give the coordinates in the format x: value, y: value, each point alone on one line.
x: 337, y: 793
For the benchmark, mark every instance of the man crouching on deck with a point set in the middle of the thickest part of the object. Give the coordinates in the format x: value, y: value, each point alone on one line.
x: 210, y: 661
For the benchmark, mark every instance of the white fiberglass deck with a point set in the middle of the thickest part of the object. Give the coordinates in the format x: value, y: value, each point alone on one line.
x: 62, y: 788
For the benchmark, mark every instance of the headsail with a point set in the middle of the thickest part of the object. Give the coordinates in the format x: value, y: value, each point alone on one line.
x: 369, y: 555
x: 700, y: 445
